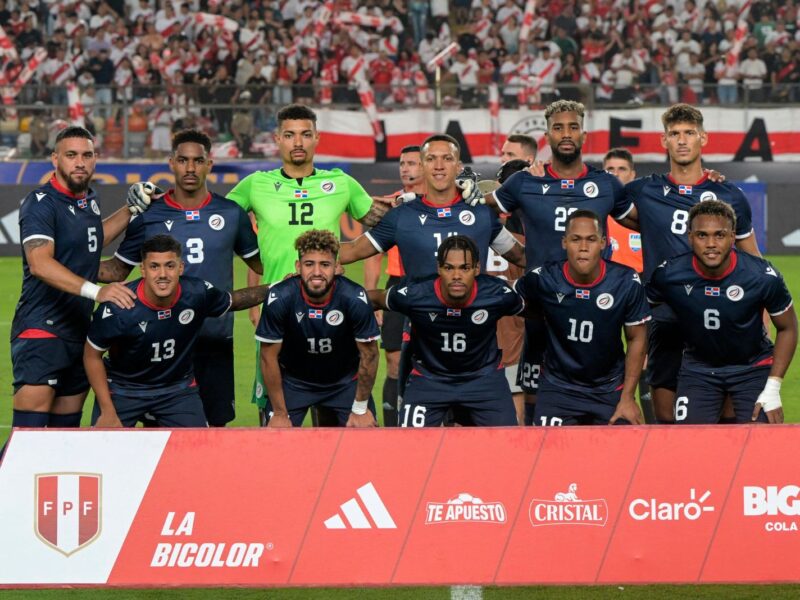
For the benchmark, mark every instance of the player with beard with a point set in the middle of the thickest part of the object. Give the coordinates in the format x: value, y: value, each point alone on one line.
x: 62, y: 236
x: 718, y: 296
x: 318, y: 338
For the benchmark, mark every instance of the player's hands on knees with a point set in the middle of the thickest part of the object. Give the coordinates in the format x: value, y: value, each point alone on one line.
x: 770, y: 400
x: 537, y: 168
x: 714, y: 176
x: 108, y: 419
x: 628, y: 410
x: 365, y: 420
x: 280, y: 421
x: 117, y: 293
x: 140, y: 195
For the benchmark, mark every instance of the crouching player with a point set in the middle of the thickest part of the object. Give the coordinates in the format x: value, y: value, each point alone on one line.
x: 588, y: 377
x: 318, y: 337
x: 150, y: 346
x: 719, y: 295
x: 455, y: 359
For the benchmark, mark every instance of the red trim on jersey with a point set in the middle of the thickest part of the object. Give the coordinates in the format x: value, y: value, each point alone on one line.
x: 170, y: 201
x: 698, y: 268
x: 427, y: 202
x: 308, y: 300
x: 437, y: 287
x: 571, y: 281
x: 36, y: 334
x: 193, y: 383
x: 148, y: 304
x: 552, y: 173
x: 764, y: 362
x: 56, y: 184
x: 406, y: 336
x: 703, y: 179
x: 415, y: 372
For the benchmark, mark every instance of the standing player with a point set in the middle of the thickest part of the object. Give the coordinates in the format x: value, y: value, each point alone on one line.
x: 149, y: 365
x: 588, y: 377
x: 212, y: 229
x: 62, y: 239
x: 392, y: 322
x: 719, y: 296
x: 456, y: 362
x: 661, y: 212
x: 318, y: 338
x: 626, y: 244
x: 519, y: 147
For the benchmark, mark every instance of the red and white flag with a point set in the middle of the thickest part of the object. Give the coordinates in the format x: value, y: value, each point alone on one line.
x: 494, y: 116
x: 443, y: 55
x: 527, y: 21
x: 368, y: 103
x: 321, y: 18
x: 217, y: 21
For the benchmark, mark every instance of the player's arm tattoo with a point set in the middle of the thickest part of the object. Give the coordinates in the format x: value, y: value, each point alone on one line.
x: 516, y: 255
x: 367, y: 369
x: 35, y: 243
x: 247, y: 297
x: 376, y: 212
x: 113, y: 269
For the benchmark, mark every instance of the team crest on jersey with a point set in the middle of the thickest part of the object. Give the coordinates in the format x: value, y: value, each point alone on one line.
x: 327, y: 186
x: 590, y: 189
x: 81, y: 202
x: 443, y: 212
x: 299, y: 316
x: 567, y: 184
x: 95, y: 208
x: 480, y: 316
x: 216, y: 222
x: 583, y: 294
x: 164, y: 314
x: 453, y: 312
x: 466, y: 217
x: 186, y: 316
x: 734, y: 293
x: 712, y: 291
x: 432, y: 316
x: 685, y: 190
x: 706, y: 196
x: 605, y: 301
x: 300, y: 194
x: 334, y: 318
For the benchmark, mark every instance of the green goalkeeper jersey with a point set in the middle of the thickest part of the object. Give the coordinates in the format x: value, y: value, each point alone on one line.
x: 285, y: 208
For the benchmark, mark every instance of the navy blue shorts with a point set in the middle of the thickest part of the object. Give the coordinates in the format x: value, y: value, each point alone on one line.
x: 484, y: 402
x: 213, y: 371
x: 557, y: 405
x: 700, y: 395
x: 49, y: 361
x: 175, y: 407
x: 664, y: 353
x: 530, y: 362
x: 337, y: 399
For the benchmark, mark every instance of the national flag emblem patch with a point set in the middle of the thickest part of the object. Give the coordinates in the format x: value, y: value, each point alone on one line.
x: 567, y: 184
x: 712, y: 291
x: 443, y: 212
x: 685, y: 189
x: 164, y: 314
x: 314, y: 313
x: 300, y: 194
x: 583, y: 294
x: 192, y: 215
x: 453, y: 312
x: 82, y: 203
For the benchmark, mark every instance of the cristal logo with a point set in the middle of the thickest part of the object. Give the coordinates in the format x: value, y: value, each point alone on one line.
x: 568, y: 509
x: 465, y: 508
x: 773, y: 501
x: 643, y: 509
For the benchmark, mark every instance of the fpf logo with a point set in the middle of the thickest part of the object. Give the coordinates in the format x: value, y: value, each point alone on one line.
x: 68, y: 510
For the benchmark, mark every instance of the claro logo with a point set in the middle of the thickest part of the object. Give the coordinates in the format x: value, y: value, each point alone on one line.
x: 652, y: 509
x: 772, y: 501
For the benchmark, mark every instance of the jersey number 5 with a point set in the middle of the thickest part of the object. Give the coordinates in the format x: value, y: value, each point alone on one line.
x: 301, y: 213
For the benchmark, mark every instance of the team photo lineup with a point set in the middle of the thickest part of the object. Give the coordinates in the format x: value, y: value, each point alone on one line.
x: 515, y: 301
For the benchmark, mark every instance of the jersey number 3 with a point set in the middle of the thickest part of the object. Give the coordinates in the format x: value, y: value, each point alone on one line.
x: 301, y: 213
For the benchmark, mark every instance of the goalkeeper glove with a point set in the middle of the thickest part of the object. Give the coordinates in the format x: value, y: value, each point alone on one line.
x: 467, y: 182
x: 140, y: 195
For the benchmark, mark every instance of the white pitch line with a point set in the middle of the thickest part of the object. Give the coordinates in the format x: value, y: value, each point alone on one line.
x: 466, y: 592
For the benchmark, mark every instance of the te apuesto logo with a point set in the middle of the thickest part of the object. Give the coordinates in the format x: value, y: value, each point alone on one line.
x: 464, y: 508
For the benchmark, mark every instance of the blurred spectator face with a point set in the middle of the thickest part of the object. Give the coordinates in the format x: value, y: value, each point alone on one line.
x: 566, y: 136
x: 410, y: 169
x: 621, y: 169
x: 297, y: 141
x: 752, y: 54
x: 683, y: 142
x: 191, y: 166
x: 74, y: 160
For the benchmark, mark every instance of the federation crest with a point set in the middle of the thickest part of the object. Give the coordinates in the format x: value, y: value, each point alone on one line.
x: 479, y: 316
x: 68, y: 510
x: 216, y: 222
x: 734, y: 293
x: 590, y: 189
x: 466, y: 217
x: 95, y: 208
x: 327, y: 186
x: 605, y: 301
x: 186, y: 316
x: 334, y: 317
x: 705, y: 196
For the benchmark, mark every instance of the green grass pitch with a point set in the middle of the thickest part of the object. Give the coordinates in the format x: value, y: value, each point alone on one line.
x: 10, y: 273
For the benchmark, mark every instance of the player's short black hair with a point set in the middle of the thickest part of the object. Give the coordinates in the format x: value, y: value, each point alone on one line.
x: 458, y: 242
x: 682, y: 113
x: 441, y: 137
x: 316, y: 240
x: 509, y: 168
x: 296, y: 112
x: 621, y: 153
x: 409, y: 149
x: 526, y: 141
x: 583, y: 213
x: 161, y: 243
x: 74, y: 131
x: 713, y: 208
x: 188, y: 136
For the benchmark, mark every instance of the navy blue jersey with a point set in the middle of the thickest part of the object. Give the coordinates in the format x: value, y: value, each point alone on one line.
x: 209, y: 234
x: 418, y: 228
x: 318, y: 341
x: 547, y: 201
x: 150, y: 347
x: 455, y: 342
x: 73, y: 224
x: 721, y: 319
x: 663, y: 208
x: 584, y: 322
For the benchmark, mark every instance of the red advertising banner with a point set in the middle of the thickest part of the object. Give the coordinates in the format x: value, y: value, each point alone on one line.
x: 332, y: 507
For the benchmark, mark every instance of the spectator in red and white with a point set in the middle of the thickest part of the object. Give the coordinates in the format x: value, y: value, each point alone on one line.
x: 303, y: 89
x: 779, y: 37
x: 663, y: 33
x: 594, y: 46
x: 305, y: 22
x: 545, y: 68
x: 428, y: 48
x: 568, y: 78
x: 626, y: 67
x: 120, y: 50
x: 507, y: 11
x: 102, y: 17
x: 465, y: 70
x: 509, y: 33
x: 481, y: 24
x: 389, y: 43
x: 667, y: 16
x: 440, y: 12
x: 604, y: 92
x: 142, y: 10
x: 513, y: 77
x: 711, y: 27
x: 56, y: 71
x: 245, y: 68
x: 353, y: 70
x: 694, y: 74
x: 668, y: 75
x: 123, y: 80
x: 753, y: 71
x: 690, y: 17
x: 102, y: 69
x: 726, y: 74
x: 785, y: 77
x: 684, y: 47
x: 167, y: 22
x: 381, y: 71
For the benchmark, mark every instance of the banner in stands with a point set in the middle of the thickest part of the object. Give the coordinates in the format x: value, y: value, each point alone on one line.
x: 569, y: 506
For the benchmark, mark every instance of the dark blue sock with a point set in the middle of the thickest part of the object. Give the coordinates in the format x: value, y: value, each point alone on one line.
x: 71, y: 420
x: 29, y: 418
x: 529, y: 410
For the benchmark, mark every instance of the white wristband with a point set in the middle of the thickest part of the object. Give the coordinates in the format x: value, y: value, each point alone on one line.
x: 90, y: 290
x: 770, y: 398
x: 360, y: 407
